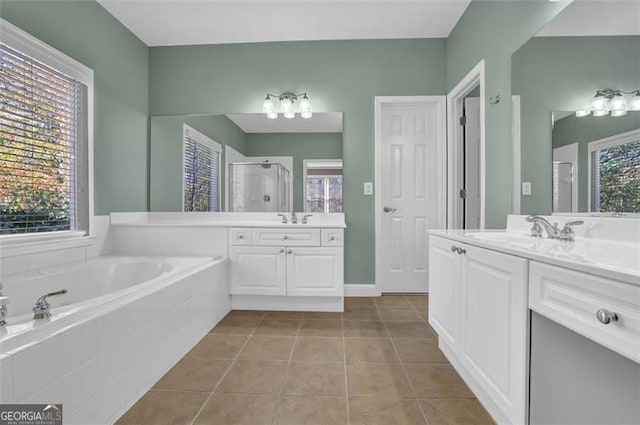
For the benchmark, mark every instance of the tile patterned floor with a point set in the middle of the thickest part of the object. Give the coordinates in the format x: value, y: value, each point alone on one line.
x: 378, y: 363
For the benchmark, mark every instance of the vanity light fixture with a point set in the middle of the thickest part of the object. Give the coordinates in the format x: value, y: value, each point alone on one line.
x: 610, y: 101
x: 287, y: 100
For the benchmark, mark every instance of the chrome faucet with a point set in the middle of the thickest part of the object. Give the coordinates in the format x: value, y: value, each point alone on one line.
x: 553, y: 232
x: 284, y: 218
x: 567, y: 233
x: 294, y: 218
x: 305, y: 217
x: 41, y: 307
x: 3, y: 306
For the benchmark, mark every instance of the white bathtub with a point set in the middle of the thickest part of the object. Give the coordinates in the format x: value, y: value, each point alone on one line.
x: 122, y: 324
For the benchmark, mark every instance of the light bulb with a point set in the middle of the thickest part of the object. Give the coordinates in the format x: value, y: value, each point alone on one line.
x: 581, y: 114
x: 306, y: 114
x: 289, y: 114
x: 619, y: 113
x: 272, y: 115
x: 286, y: 105
x: 267, y: 105
x: 599, y: 103
x: 600, y: 113
x: 635, y: 102
x: 618, y: 103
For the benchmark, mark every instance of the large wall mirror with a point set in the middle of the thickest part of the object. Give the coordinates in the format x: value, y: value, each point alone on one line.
x: 246, y: 163
x: 578, y: 161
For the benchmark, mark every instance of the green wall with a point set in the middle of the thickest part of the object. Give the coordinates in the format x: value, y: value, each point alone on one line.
x: 563, y: 74
x: 340, y: 76
x: 120, y: 61
x: 493, y: 31
x: 300, y: 146
x: 583, y: 131
x: 166, y: 154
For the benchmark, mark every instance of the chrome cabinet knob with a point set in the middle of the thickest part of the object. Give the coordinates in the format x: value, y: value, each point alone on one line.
x: 462, y: 251
x: 240, y: 237
x: 454, y: 248
x: 281, y: 250
x: 285, y: 237
x: 289, y: 251
x: 389, y: 209
x: 332, y: 238
x: 605, y: 316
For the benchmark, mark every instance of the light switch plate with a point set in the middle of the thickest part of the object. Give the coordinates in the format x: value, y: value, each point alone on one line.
x: 368, y: 188
x: 526, y: 188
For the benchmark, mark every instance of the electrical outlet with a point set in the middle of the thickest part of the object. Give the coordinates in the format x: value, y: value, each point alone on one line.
x: 368, y: 188
x: 526, y: 188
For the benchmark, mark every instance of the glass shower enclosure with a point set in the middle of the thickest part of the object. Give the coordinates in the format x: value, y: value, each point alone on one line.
x: 259, y: 187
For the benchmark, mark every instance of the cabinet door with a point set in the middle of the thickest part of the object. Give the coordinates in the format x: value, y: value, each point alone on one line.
x: 444, y: 289
x: 258, y: 270
x: 315, y: 271
x: 493, y: 342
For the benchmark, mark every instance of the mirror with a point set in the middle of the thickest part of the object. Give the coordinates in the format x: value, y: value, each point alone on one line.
x: 240, y: 162
x: 588, y: 164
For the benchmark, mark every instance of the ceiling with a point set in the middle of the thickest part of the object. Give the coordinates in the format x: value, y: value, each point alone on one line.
x: 183, y: 22
x: 320, y: 122
x: 595, y: 18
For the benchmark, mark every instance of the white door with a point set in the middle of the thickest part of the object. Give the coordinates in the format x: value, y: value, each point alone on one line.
x: 315, y: 271
x: 409, y: 142
x: 493, y: 337
x: 258, y: 270
x: 444, y: 289
x: 472, y: 163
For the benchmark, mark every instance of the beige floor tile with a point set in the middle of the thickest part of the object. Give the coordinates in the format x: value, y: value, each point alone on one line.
x: 313, y: 327
x: 361, y: 314
x: 410, y: 329
x: 320, y: 379
x: 370, y: 350
x: 455, y: 412
x: 436, y: 381
x: 318, y: 349
x: 407, y: 313
x: 194, y: 374
x: 254, y: 377
x: 362, y: 329
x: 384, y: 411
x: 278, y: 327
x: 359, y: 302
x: 377, y: 379
x: 268, y: 348
x: 418, y: 300
x: 218, y: 346
x: 419, y: 350
x: 164, y: 408
x: 238, y: 409
x: 392, y: 301
x: 298, y: 410
x: 237, y: 325
x: 246, y: 313
x: 322, y: 315
x: 292, y: 315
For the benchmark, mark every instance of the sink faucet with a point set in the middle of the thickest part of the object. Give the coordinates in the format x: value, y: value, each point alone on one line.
x: 284, y: 218
x: 294, y: 218
x: 305, y: 217
x: 553, y: 232
x: 567, y: 233
x: 41, y: 307
x: 3, y: 306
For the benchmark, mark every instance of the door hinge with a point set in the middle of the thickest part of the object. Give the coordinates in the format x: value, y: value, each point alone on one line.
x: 463, y: 194
x: 463, y: 120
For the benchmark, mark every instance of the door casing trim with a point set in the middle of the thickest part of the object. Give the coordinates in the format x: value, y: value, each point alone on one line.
x: 441, y: 170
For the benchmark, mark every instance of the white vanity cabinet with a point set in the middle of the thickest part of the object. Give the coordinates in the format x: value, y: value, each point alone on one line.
x: 478, y: 306
x: 287, y: 262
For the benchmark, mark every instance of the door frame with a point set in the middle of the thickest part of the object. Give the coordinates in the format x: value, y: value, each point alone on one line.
x: 455, y: 109
x: 441, y: 171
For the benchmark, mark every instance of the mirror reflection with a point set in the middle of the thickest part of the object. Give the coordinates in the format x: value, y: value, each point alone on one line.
x: 246, y: 163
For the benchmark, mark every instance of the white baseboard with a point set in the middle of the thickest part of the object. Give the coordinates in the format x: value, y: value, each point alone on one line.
x: 284, y: 303
x: 360, y: 290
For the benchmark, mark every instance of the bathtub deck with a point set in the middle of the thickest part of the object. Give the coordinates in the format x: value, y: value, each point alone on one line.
x: 376, y: 363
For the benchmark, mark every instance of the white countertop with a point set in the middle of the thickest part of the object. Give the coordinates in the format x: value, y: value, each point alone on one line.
x: 619, y: 260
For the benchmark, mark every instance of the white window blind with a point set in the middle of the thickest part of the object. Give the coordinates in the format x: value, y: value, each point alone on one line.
x: 201, y: 172
x: 43, y: 147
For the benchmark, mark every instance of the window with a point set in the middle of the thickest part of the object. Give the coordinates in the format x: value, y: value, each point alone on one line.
x: 615, y: 173
x: 45, y: 137
x: 323, y: 186
x: 201, y: 172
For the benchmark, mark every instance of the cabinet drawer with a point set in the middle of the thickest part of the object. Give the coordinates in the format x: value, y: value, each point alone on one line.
x: 572, y: 299
x: 286, y: 237
x: 332, y: 237
x: 240, y: 236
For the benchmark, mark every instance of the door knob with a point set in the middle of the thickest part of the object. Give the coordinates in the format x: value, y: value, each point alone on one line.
x: 389, y: 209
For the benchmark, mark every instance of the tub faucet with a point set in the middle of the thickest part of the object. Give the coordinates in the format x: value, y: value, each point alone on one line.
x: 294, y: 218
x: 3, y: 306
x: 41, y: 307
